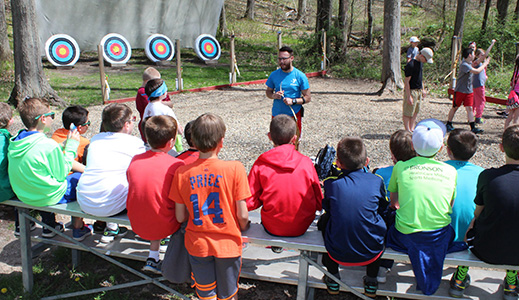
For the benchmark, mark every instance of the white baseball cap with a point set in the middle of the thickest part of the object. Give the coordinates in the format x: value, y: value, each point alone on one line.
x: 414, y: 39
x: 428, y: 54
x: 428, y: 137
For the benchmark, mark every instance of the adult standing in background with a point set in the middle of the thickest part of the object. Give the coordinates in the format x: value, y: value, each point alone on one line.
x: 289, y: 88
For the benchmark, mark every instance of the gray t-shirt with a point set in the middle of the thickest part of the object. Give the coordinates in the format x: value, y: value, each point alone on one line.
x: 412, y: 52
x: 478, y: 80
x: 464, y: 80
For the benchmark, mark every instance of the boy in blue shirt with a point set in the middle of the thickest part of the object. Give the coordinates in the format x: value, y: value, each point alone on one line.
x: 461, y: 146
x: 353, y: 228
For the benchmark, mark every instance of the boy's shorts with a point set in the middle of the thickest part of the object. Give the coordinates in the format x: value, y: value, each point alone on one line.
x: 215, y: 276
x: 462, y: 98
x: 410, y: 110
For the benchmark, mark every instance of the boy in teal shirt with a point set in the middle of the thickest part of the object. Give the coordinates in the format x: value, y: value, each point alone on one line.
x: 6, y: 118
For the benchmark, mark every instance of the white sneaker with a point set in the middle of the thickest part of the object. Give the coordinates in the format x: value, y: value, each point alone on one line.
x: 382, y: 274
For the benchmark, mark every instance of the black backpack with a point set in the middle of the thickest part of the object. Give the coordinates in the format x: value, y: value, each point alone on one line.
x: 324, y: 161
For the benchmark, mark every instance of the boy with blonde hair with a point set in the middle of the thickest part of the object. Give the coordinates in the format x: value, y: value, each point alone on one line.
x: 6, y: 119
x: 39, y: 167
x: 210, y: 194
x: 151, y: 212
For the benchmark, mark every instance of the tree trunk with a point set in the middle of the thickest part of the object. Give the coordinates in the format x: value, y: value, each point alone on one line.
x: 5, y: 50
x: 391, y: 69
x: 249, y: 13
x: 460, y: 18
x: 222, y: 26
x: 29, y: 79
x: 301, y: 11
x: 516, y: 12
x: 502, y: 10
x: 485, y: 16
x: 369, y: 37
x: 324, y: 15
x: 342, y: 43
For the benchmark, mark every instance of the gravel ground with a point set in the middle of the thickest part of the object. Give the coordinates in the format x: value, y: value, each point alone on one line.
x: 339, y: 108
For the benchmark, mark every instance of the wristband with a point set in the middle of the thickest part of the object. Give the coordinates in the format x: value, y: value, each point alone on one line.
x: 304, y: 101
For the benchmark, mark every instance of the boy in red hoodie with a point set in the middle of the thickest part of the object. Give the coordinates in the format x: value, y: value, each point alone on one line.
x: 285, y: 183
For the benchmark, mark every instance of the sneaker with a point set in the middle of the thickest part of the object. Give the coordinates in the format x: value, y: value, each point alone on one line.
x: 382, y: 274
x: 458, y: 286
x: 331, y: 286
x: 99, y: 227
x: 80, y: 234
x: 276, y: 249
x: 17, y: 229
x: 509, y: 291
x: 449, y: 127
x: 47, y: 233
x: 110, y: 235
x: 479, y: 121
x: 477, y: 130
x: 164, y: 245
x: 370, y: 288
x: 152, y: 266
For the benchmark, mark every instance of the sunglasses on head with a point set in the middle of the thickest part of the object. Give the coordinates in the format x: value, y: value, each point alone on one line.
x: 49, y: 114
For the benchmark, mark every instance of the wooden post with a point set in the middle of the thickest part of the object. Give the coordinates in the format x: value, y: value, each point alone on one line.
x: 323, y: 63
x: 455, y: 47
x: 180, y: 85
x: 102, y: 72
x: 232, y: 75
x: 280, y: 43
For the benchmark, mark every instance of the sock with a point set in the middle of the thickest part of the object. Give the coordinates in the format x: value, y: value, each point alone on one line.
x: 511, y: 277
x: 461, y: 273
x: 472, y: 125
x: 371, y: 279
x: 112, y: 226
x: 154, y: 255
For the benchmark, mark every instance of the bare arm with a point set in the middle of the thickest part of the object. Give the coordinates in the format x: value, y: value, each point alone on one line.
x: 407, y: 90
x: 273, y: 95
x: 308, y: 96
x: 480, y: 69
x: 181, y: 212
x: 78, y: 167
x: 242, y: 214
x: 394, y: 201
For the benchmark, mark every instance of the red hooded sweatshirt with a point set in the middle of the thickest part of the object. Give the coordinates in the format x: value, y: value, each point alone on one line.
x: 285, y: 182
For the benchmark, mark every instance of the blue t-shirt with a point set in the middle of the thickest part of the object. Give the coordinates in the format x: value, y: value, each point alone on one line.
x: 412, y: 52
x: 385, y: 173
x: 479, y: 80
x: 292, y: 84
x: 463, y: 209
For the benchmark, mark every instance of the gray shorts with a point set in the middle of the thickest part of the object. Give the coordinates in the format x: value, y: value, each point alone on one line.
x: 215, y: 276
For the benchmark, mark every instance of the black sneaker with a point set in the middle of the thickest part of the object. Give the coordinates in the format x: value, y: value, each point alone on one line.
x: 110, y: 235
x: 370, y: 288
x: 479, y: 121
x: 17, y: 229
x: 80, y: 234
x: 99, y: 227
x: 276, y: 249
x: 458, y: 286
x: 477, y: 130
x: 449, y: 127
x: 331, y: 286
x: 47, y: 233
x: 509, y: 291
x: 152, y: 266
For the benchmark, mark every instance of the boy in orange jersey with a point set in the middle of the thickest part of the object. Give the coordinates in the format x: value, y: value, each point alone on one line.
x: 210, y: 194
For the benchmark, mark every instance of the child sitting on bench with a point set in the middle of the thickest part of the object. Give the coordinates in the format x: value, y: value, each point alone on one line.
x: 284, y: 183
x: 151, y: 212
x: 353, y: 228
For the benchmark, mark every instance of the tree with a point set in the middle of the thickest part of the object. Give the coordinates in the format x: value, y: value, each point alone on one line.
x: 342, y: 41
x: 301, y: 11
x: 485, y: 15
x: 369, y: 37
x: 502, y: 10
x: 5, y: 50
x: 324, y: 15
x: 249, y: 12
x: 29, y: 79
x: 222, y: 24
x: 391, y: 72
x: 516, y: 11
x: 460, y: 18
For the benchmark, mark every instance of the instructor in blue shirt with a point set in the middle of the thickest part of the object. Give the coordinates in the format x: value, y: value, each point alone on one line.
x: 289, y: 88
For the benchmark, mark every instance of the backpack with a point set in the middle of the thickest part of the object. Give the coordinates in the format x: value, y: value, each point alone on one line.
x: 323, y: 162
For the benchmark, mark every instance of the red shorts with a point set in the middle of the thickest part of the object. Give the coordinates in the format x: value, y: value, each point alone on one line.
x: 462, y: 98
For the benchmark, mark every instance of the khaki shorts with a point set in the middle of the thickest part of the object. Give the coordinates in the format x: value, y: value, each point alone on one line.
x: 410, y: 110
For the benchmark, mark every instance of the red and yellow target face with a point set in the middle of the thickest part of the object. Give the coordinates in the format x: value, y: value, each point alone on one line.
x: 116, y: 49
x: 62, y: 50
x: 207, y: 47
x: 159, y: 48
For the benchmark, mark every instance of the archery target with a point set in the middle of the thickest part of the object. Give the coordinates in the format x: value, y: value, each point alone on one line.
x: 207, y: 47
x: 116, y: 49
x: 159, y: 47
x: 62, y: 50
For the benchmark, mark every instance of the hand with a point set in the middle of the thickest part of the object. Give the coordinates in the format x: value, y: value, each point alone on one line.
x: 288, y: 101
x: 493, y: 41
x: 73, y: 135
x: 424, y: 93
x: 279, y: 95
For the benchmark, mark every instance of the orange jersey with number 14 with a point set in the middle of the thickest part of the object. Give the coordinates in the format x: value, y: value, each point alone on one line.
x: 210, y: 188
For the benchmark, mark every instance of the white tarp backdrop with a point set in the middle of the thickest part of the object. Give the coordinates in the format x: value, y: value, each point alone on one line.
x: 87, y: 21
